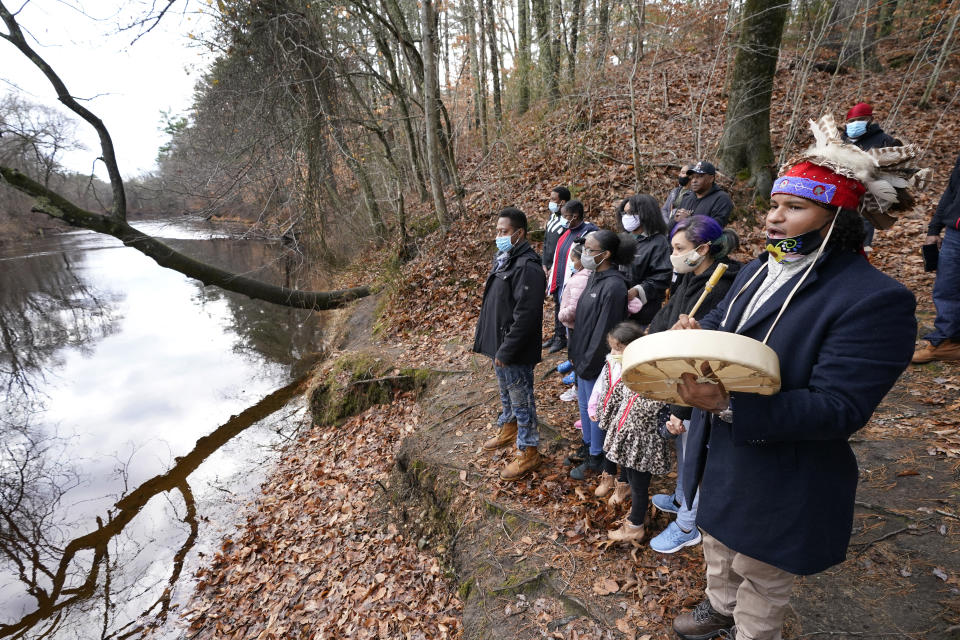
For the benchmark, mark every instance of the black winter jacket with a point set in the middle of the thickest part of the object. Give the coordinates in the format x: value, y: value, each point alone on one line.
x: 511, y: 318
x: 948, y: 211
x: 651, y: 269
x: 600, y: 307
x: 716, y: 204
x: 873, y: 138
x: 689, y: 288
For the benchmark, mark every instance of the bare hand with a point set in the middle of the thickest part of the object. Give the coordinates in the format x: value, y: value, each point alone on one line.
x: 937, y: 240
x: 709, y: 396
x: 498, y: 362
x: 681, y: 214
x: 675, y: 425
x: 593, y: 417
x: 685, y: 322
x: 632, y: 293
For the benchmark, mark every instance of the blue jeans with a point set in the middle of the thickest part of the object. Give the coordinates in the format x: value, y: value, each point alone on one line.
x: 516, y: 397
x: 686, y: 516
x: 946, y: 291
x: 592, y: 434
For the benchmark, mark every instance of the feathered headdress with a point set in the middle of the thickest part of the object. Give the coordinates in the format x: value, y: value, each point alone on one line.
x: 876, y: 182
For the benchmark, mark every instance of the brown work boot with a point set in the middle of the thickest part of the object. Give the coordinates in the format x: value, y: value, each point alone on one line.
x: 605, y: 486
x: 629, y: 532
x: 525, y: 462
x: 506, y: 435
x: 703, y: 623
x: 621, y: 491
x: 948, y: 350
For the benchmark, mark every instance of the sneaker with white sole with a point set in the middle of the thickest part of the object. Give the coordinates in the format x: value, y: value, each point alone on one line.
x: 569, y: 395
x: 665, y: 502
x: 673, y: 538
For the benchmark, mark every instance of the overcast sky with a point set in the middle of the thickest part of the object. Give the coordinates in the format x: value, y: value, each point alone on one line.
x: 128, y: 85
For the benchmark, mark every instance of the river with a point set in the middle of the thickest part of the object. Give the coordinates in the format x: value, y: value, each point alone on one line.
x: 112, y: 368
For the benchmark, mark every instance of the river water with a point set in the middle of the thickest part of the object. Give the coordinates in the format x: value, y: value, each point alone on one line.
x: 111, y: 369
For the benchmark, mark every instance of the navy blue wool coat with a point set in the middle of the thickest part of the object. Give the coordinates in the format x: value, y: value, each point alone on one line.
x: 778, y: 484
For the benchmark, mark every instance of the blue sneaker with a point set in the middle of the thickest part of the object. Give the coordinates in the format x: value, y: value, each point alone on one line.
x: 673, y: 538
x: 570, y: 378
x: 665, y: 502
x: 565, y: 367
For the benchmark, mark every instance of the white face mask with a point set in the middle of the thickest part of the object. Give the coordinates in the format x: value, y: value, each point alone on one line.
x: 554, y: 207
x: 614, y: 358
x: 686, y: 262
x: 630, y: 222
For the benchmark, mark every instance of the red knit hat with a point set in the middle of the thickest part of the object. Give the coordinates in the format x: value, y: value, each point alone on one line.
x: 860, y: 110
x: 820, y: 184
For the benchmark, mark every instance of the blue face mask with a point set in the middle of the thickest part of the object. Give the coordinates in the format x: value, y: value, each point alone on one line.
x: 564, y: 223
x: 554, y: 207
x: 856, y: 129
x: 504, y: 243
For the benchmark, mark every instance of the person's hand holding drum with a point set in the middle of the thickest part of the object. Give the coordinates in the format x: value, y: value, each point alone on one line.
x: 709, y: 396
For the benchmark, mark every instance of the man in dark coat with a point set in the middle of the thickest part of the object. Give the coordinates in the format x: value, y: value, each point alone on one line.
x: 509, y: 332
x: 553, y: 229
x: 944, y: 340
x: 776, y: 473
x: 863, y: 131
x: 705, y: 197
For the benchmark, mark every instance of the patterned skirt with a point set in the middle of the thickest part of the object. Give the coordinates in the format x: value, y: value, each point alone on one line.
x: 631, y: 422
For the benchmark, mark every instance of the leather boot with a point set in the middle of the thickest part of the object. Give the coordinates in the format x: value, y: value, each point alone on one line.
x: 621, y: 491
x: 703, y: 623
x: 525, y: 462
x: 506, y: 435
x: 948, y: 350
x: 605, y: 486
x: 629, y: 532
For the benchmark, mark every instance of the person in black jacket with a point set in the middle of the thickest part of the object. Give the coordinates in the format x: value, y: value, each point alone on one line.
x: 508, y: 331
x: 602, y: 305
x: 648, y: 276
x: 699, y: 245
x: 863, y: 131
x: 705, y: 197
x: 553, y: 229
x: 944, y: 340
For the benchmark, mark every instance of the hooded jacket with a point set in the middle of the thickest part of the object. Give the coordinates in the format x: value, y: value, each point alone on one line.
x: 601, y: 306
x: 948, y: 211
x: 716, y: 203
x: 510, y: 324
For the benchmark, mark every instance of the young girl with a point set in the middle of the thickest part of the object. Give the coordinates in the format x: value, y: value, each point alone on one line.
x: 633, y: 441
x: 618, y: 339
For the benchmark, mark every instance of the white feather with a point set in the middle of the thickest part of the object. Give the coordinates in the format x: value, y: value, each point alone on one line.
x: 882, y: 190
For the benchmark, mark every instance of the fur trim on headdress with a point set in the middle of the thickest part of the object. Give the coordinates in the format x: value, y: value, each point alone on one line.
x: 888, y: 173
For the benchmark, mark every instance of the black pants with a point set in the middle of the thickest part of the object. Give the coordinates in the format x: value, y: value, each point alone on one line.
x: 639, y: 492
x: 559, y: 331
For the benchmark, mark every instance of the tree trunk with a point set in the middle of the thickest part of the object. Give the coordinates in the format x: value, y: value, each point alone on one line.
x: 428, y: 21
x: 482, y: 73
x: 603, y: 33
x: 523, y: 55
x: 556, y: 40
x: 58, y: 207
x: 471, y: 28
x: 576, y: 10
x: 494, y: 63
x: 541, y: 15
x: 745, y: 146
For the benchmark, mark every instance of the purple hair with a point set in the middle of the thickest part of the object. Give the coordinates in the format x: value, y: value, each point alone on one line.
x: 699, y: 229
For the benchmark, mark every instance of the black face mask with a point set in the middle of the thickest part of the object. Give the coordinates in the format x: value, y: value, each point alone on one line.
x: 683, y: 180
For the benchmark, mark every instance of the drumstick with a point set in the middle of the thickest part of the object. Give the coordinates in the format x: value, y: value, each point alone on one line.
x: 714, y: 279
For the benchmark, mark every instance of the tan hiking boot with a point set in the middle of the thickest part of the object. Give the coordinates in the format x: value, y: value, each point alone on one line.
x: 948, y: 350
x: 629, y: 532
x: 621, y: 491
x: 605, y: 487
x: 525, y: 462
x: 506, y: 435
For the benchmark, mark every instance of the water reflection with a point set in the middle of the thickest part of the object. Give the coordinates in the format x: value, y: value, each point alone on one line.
x: 112, y: 369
